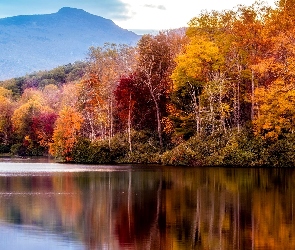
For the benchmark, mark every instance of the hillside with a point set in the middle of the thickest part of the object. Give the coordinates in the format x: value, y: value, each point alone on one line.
x: 39, y: 42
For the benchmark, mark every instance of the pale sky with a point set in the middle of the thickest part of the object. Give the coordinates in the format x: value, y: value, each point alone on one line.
x: 134, y: 15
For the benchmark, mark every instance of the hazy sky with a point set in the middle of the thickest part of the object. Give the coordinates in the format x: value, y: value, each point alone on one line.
x: 128, y: 14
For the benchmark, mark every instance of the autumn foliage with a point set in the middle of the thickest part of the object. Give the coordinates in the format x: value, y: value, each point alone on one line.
x: 65, y: 133
x: 219, y: 92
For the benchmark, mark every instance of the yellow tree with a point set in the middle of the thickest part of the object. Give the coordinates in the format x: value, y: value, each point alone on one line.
x: 200, y: 65
x: 30, y: 104
x: 276, y: 70
x: 6, y: 111
x: 66, y: 132
x: 33, y: 123
x: 276, y: 110
x: 228, y: 76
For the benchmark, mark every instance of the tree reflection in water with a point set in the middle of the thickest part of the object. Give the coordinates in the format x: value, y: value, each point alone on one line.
x: 161, y: 208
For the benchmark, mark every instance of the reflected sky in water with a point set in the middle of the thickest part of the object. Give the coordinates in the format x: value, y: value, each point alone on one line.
x: 22, y: 166
x: 61, y: 206
x: 33, y: 238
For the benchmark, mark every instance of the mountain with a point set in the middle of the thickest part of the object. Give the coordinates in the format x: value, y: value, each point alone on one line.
x: 41, y: 42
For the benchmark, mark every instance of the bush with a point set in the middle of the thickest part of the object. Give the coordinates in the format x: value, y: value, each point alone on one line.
x: 86, y: 151
x: 241, y: 150
x: 100, y: 153
x: 197, y: 151
x: 280, y: 153
x: 181, y: 155
x: 246, y: 150
x: 210, y: 147
x: 18, y: 149
x: 119, y: 147
x: 233, y: 148
x: 4, y: 148
x: 82, y: 151
x: 145, y: 148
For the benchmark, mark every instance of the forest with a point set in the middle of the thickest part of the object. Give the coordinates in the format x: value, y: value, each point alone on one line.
x: 220, y: 92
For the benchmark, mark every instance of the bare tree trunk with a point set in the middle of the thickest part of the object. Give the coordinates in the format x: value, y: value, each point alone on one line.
x: 159, y: 124
x: 235, y: 104
x: 212, y: 112
x: 196, y: 107
x: 92, y: 132
x: 237, y: 100
x: 129, y: 124
x: 199, y: 114
x: 110, y: 120
x: 158, y: 116
x: 222, y: 116
x: 252, y: 96
x: 104, y: 129
x: 238, y: 108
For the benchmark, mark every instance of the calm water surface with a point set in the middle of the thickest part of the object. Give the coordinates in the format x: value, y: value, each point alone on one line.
x: 59, y: 206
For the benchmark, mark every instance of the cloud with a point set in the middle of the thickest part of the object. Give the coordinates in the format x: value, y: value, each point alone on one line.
x: 113, y: 9
x: 160, y: 7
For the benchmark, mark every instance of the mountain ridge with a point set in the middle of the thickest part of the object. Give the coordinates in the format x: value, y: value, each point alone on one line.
x: 40, y: 42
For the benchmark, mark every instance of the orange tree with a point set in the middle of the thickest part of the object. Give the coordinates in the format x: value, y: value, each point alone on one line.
x: 65, y: 133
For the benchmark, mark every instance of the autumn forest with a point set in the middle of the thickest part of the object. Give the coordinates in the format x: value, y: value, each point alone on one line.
x: 221, y: 92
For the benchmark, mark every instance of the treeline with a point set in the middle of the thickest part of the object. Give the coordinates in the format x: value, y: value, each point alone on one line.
x: 58, y: 76
x: 222, y: 93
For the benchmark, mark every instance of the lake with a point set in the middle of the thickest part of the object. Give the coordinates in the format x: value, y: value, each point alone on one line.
x: 45, y: 205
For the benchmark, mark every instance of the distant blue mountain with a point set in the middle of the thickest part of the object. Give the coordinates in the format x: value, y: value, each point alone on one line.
x: 40, y: 42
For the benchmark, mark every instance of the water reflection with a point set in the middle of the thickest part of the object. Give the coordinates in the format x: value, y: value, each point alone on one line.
x: 149, y: 208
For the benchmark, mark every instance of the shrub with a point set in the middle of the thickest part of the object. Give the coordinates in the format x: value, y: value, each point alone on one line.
x: 181, y: 155
x: 82, y: 151
x: 119, y: 147
x: 4, y: 148
x: 18, y: 149
x: 145, y: 148
x: 100, y: 153
x: 280, y: 153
